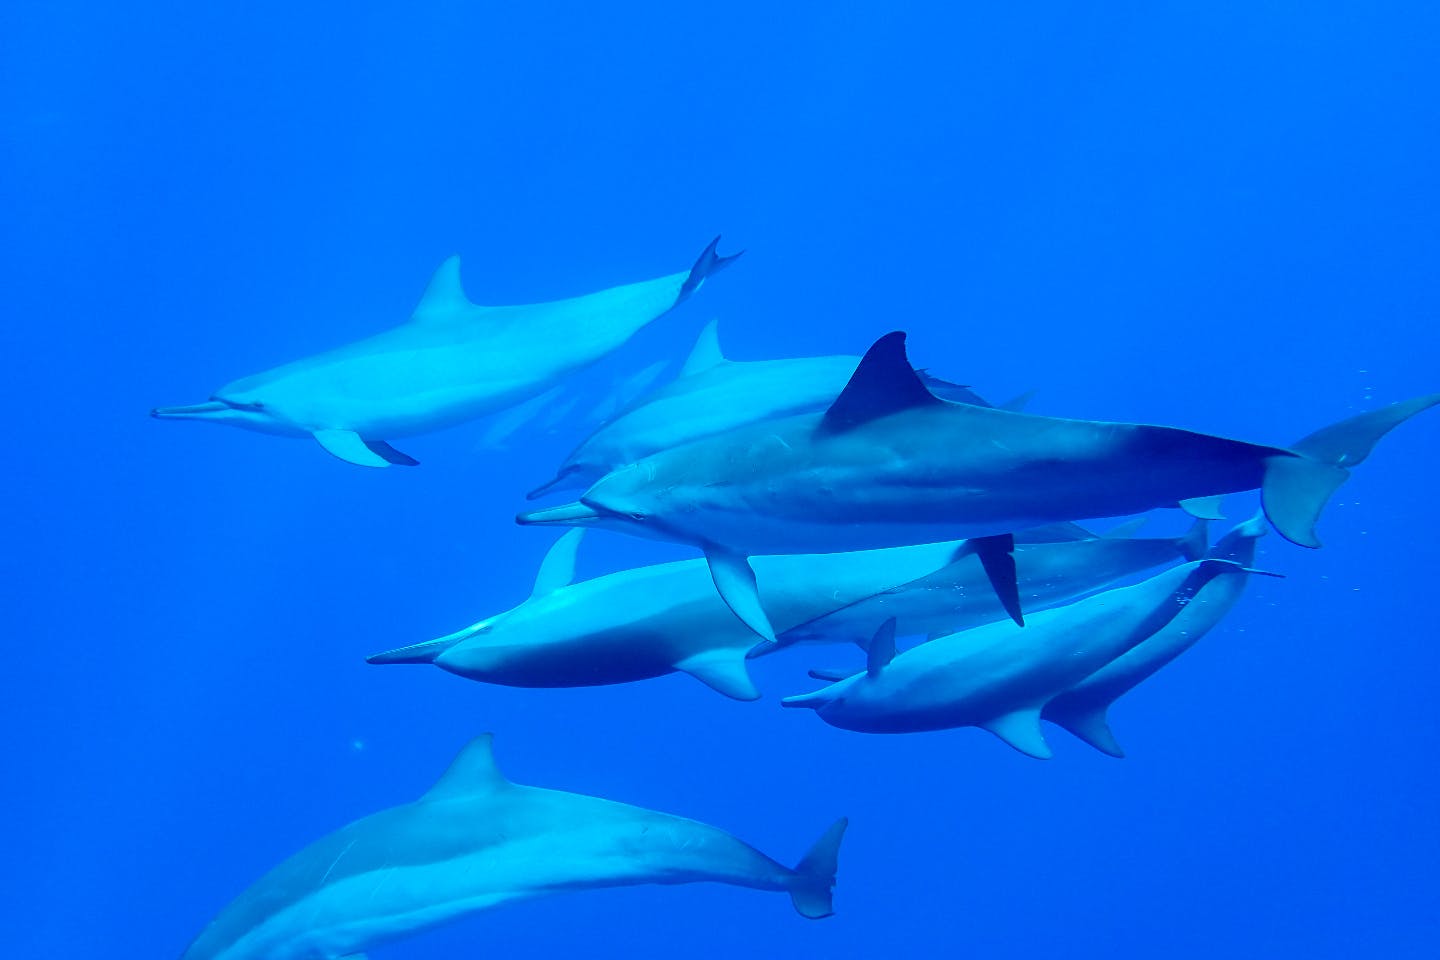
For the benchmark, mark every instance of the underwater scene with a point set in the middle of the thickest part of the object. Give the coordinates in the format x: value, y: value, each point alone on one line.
x: 639, y: 480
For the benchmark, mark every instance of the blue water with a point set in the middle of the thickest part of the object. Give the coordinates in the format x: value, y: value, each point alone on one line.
x: 1206, y: 215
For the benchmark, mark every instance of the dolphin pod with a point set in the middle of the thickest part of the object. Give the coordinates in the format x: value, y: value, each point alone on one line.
x: 451, y: 362
x: 834, y: 500
x: 665, y: 618
x: 473, y: 841
x: 889, y: 463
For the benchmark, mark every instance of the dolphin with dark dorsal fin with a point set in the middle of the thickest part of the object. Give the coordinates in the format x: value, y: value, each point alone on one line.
x: 999, y: 677
x: 711, y: 396
x: 667, y: 618
x: 476, y: 840
x: 889, y: 463
x: 451, y: 362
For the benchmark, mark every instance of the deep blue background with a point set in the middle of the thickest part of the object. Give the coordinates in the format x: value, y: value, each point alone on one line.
x: 1216, y: 215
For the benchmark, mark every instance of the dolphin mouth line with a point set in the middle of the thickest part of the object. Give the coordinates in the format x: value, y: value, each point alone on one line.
x: 190, y: 411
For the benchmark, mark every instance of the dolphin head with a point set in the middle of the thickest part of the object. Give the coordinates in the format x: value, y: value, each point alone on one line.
x: 239, y: 404
x: 623, y: 501
x: 830, y: 702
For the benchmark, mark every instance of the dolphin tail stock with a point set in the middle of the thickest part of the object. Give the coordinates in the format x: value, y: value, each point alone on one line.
x: 1297, y: 486
x: 706, y: 265
x: 1087, y: 721
x: 812, y: 882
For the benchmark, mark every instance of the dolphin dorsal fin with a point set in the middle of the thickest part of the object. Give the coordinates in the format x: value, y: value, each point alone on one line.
x: 558, y: 567
x: 883, y: 383
x: 472, y: 772
x: 706, y: 352
x: 444, y: 296
x: 882, y: 648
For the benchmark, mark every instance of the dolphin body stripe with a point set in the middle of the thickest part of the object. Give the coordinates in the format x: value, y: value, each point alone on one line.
x: 451, y: 362
x: 476, y: 840
x: 889, y: 464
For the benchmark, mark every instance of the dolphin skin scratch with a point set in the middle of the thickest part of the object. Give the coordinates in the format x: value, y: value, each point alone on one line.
x: 999, y: 677
x: 649, y: 621
x: 890, y: 464
x: 451, y: 362
x: 476, y: 840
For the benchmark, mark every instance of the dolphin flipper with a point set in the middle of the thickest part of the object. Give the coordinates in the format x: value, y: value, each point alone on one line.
x: 736, y: 583
x: 722, y: 671
x: 347, y: 445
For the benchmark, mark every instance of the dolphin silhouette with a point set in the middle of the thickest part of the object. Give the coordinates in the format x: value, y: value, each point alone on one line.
x: 649, y: 621
x: 889, y: 463
x: 713, y: 395
x: 476, y: 840
x: 451, y: 362
x: 1000, y: 676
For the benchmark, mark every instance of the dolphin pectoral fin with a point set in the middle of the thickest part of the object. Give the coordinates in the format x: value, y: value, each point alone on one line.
x: 736, y: 583
x: 1349, y: 442
x: 722, y: 671
x: 1021, y: 730
x: 813, y: 880
x: 1294, y: 491
x: 707, y: 264
x: 348, y: 446
x: 883, y: 383
x: 997, y: 556
x: 390, y: 455
x: 1203, y: 508
x: 1087, y: 721
x: 882, y: 648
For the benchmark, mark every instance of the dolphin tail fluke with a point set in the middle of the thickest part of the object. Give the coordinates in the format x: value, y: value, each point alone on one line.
x: 813, y: 880
x: 1087, y: 721
x: 1195, y: 543
x: 1294, y: 491
x: 736, y: 583
x: 1349, y: 442
x: 708, y: 263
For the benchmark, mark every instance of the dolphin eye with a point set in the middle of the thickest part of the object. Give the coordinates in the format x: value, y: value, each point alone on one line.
x: 637, y: 515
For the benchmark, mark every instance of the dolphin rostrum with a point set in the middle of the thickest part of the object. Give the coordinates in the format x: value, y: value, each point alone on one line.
x: 1000, y: 676
x: 451, y: 362
x: 713, y: 395
x: 664, y: 618
x: 473, y: 841
x: 1082, y: 709
x: 889, y: 463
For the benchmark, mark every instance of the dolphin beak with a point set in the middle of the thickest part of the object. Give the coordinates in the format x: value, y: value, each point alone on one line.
x: 808, y: 701
x: 195, y: 411
x: 570, y: 514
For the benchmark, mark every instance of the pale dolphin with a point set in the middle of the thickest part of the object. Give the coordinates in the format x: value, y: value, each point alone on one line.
x: 889, y: 463
x: 476, y: 840
x: 664, y: 618
x: 451, y: 362
x: 1000, y: 676
x: 1082, y: 709
x: 713, y: 395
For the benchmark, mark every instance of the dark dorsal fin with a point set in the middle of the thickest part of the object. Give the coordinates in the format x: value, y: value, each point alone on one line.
x: 883, y: 383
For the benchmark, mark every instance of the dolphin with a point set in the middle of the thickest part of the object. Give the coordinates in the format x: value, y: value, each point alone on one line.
x: 1000, y: 676
x: 1082, y: 709
x: 451, y: 362
x: 889, y: 463
x: 665, y: 618
x: 473, y: 841
x: 713, y: 395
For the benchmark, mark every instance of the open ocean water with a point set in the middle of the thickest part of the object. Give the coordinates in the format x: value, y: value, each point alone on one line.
x: 1224, y: 217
